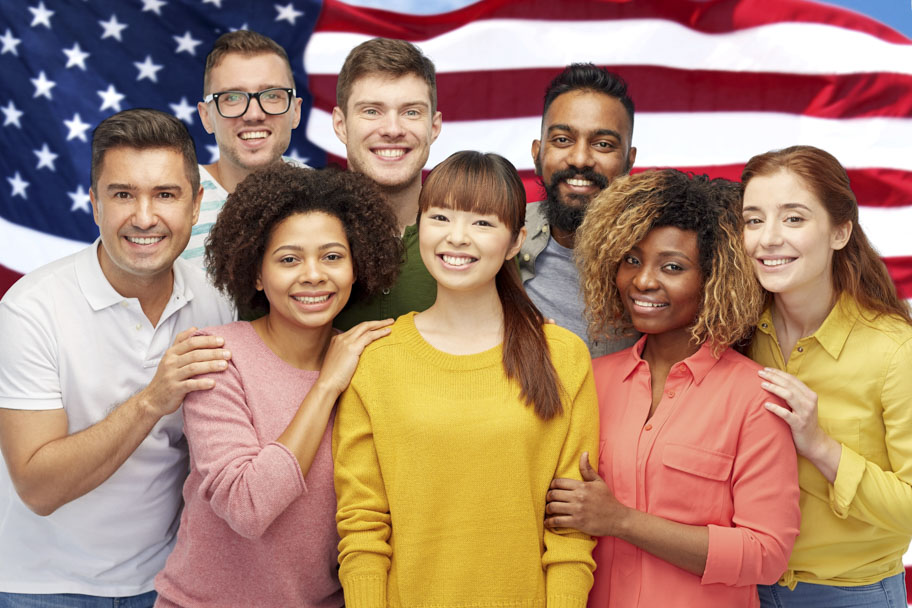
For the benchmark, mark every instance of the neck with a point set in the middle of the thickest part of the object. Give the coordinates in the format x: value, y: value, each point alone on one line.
x: 800, y: 315
x: 227, y: 175
x: 404, y: 202
x: 664, y: 350
x: 152, y: 291
x: 303, y: 348
x: 463, y: 322
x: 563, y: 237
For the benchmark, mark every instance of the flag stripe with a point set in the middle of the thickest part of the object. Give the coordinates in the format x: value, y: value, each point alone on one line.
x: 509, y: 93
x: 536, y: 44
x: 709, y: 17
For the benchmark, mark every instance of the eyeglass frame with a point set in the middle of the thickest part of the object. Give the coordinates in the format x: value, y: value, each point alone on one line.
x: 214, y: 97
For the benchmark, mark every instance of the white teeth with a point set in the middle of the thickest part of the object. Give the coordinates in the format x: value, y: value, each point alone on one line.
x: 311, y: 299
x: 578, y: 182
x: 456, y: 261
x: 390, y: 152
x: 649, y: 304
x: 777, y: 262
x: 144, y: 240
x: 254, y: 134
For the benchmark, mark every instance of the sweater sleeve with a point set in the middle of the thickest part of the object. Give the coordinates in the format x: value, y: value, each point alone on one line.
x: 363, y: 516
x: 862, y: 488
x: 756, y: 549
x: 246, y: 484
x: 568, y: 558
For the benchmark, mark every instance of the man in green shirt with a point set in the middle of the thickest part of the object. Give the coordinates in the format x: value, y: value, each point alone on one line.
x: 386, y: 115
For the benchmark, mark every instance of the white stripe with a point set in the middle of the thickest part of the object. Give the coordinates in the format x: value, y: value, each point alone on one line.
x: 25, y: 249
x: 888, y: 230
x: 508, y: 44
x: 681, y: 139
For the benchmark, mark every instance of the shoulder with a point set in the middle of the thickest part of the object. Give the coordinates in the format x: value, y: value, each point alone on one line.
x: 608, y: 363
x: 211, y: 305
x: 569, y: 354
x: 52, y: 278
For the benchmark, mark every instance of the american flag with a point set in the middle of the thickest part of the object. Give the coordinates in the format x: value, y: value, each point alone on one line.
x: 714, y: 81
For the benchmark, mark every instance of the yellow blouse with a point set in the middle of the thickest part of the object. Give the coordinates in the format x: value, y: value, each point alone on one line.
x: 854, y: 531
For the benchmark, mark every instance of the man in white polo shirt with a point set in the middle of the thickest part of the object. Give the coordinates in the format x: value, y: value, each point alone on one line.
x: 96, y: 356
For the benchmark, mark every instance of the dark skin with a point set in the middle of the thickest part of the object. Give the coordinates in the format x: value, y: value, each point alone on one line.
x: 661, y: 283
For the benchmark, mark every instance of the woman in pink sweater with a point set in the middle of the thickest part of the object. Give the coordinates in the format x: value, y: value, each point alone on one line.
x: 258, y: 526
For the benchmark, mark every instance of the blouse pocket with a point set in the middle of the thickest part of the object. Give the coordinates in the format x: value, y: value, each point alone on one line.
x: 695, y: 489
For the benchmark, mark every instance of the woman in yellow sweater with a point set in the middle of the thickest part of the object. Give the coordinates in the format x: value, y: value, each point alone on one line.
x: 838, y: 345
x: 454, y: 425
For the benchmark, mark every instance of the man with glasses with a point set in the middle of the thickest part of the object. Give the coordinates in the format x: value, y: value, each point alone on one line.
x: 249, y: 104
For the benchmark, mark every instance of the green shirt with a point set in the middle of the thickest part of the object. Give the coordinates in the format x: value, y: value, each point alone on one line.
x: 415, y: 289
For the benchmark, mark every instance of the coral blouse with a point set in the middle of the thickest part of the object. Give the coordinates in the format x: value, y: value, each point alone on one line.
x: 710, y: 455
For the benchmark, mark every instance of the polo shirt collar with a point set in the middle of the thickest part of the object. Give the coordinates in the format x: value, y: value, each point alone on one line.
x: 100, y: 294
x: 832, y: 333
x: 698, y: 364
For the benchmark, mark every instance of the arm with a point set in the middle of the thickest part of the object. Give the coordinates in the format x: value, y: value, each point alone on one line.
x: 363, y: 515
x: 50, y: 468
x: 765, y: 513
x: 246, y: 483
x: 568, y: 558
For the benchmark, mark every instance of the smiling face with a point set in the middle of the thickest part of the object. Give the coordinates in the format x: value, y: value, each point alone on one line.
x: 585, y: 143
x: 789, y: 235
x: 144, y: 207
x: 660, y: 282
x: 307, y: 272
x: 388, y: 128
x: 254, y: 139
x: 463, y: 250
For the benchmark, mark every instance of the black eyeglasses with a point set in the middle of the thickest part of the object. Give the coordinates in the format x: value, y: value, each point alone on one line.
x: 231, y: 104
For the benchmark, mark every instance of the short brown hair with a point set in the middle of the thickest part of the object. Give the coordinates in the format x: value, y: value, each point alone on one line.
x: 243, y: 42
x: 389, y: 57
x: 857, y: 268
x: 144, y: 128
x: 236, y: 244
x: 623, y: 214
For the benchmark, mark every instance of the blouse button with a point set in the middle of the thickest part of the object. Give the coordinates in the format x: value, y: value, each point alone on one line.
x: 670, y: 393
x: 386, y: 291
x: 527, y: 257
x: 800, y: 349
x: 648, y: 427
x: 764, y: 325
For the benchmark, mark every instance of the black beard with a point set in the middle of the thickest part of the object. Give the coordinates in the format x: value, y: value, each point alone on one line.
x: 558, y: 213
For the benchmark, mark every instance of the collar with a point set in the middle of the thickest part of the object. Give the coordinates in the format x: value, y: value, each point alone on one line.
x: 99, y: 293
x: 832, y: 333
x: 698, y: 364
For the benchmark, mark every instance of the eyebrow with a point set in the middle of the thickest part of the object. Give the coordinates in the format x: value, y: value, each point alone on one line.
x: 112, y: 187
x: 597, y: 132
x: 262, y: 88
x: 673, y: 253
x: 782, y: 206
x: 423, y: 104
x: 322, y: 247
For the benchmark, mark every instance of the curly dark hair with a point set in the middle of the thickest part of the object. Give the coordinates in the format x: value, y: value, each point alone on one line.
x: 235, y: 246
x: 623, y: 214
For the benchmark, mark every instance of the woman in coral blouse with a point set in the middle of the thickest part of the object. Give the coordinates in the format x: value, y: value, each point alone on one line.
x: 699, y: 501
x: 837, y: 343
x: 454, y: 425
x: 258, y: 525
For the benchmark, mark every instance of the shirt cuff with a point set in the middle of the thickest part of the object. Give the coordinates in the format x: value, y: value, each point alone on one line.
x: 848, y: 476
x: 19, y: 403
x: 723, y: 559
x: 365, y: 591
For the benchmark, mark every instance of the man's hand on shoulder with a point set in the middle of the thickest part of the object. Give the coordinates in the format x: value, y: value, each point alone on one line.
x: 190, y: 356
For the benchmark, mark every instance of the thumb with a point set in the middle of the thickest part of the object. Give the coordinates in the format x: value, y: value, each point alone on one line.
x: 586, y: 470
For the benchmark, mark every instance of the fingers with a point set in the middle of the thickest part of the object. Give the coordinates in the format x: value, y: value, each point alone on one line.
x: 560, y: 521
x: 562, y: 483
x: 784, y: 379
x: 586, y: 470
x: 559, y: 496
x: 780, y: 411
x: 191, y: 342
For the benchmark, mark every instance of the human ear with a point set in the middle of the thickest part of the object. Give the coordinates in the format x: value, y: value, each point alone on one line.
x: 517, y: 244
x: 840, y: 236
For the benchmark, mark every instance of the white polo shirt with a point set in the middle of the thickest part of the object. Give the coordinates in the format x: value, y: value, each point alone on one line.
x: 69, y: 340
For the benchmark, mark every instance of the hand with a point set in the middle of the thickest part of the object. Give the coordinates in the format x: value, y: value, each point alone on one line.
x: 588, y: 505
x: 802, y: 418
x: 345, y: 349
x: 188, y: 357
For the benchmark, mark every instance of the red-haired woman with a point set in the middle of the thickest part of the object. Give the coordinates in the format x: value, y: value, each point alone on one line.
x: 454, y: 425
x: 837, y: 343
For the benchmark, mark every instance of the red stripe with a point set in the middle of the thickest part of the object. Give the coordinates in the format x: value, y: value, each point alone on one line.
x: 7, y: 278
x: 901, y: 271
x: 709, y: 16
x: 510, y: 93
x: 909, y: 584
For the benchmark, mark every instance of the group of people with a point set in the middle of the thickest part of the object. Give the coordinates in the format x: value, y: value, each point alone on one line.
x: 651, y: 389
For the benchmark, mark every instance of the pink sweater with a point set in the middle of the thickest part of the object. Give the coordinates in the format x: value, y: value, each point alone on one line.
x: 254, y: 531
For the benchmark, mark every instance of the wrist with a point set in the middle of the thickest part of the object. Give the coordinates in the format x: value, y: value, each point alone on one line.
x: 325, y: 391
x: 624, y: 523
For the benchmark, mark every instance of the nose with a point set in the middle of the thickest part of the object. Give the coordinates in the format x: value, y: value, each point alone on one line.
x: 581, y: 155
x: 770, y: 234
x: 144, y: 216
x: 645, y: 279
x: 457, y: 234
x: 391, y: 125
x: 311, y: 272
x: 254, y: 111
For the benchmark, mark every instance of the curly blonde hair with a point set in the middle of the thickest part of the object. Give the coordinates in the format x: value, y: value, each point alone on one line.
x: 624, y: 213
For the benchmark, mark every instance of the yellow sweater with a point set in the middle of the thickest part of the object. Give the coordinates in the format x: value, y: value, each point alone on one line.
x: 441, y: 474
